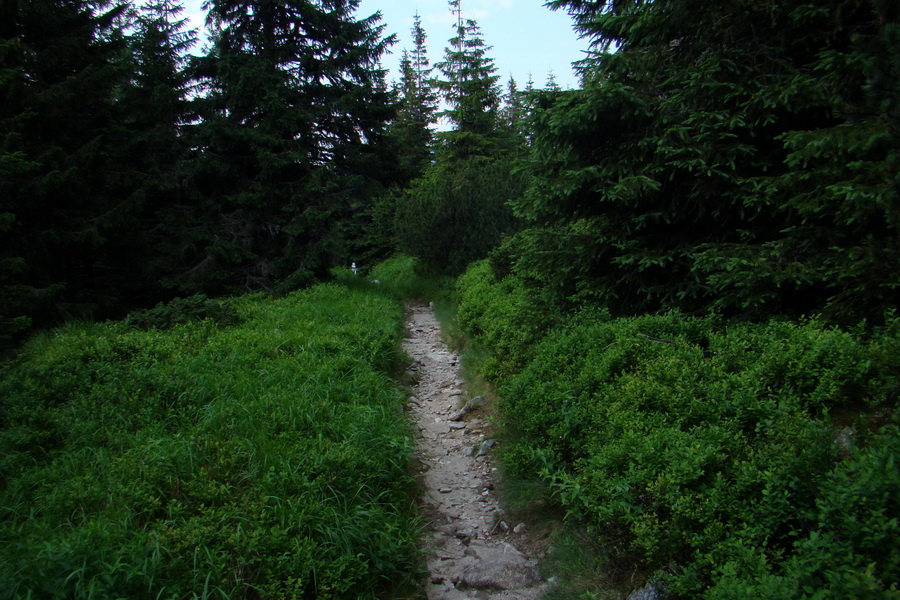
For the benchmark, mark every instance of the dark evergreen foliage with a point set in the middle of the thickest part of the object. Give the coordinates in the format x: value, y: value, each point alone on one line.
x: 457, y: 211
x: 156, y: 108
x: 412, y: 128
x: 294, y: 109
x: 184, y: 310
x: 125, y: 171
x: 736, y: 157
x: 512, y: 113
x: 739, y: 156
x: 471, y: 91
x: 411, y: 142
x: 62, y: 69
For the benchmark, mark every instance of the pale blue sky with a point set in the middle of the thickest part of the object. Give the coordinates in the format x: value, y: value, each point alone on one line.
x: 527, y: 37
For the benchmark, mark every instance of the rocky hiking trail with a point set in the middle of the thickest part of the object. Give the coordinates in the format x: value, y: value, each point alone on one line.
x: 472, y: 550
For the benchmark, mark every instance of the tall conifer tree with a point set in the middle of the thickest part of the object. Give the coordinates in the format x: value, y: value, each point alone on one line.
x: 416, y: 111
x: 154, y: 112
x: 736, y: 155
x: 514, y: 119
x: 295, y: 107
x: 62, y: 69
x: 458, y: 210
x: 160, y: 104
x: 470, y: 89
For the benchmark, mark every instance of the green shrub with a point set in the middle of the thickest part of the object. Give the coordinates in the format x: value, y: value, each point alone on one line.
x: 737, y: 457
x: 457, y: 212
x: 183, y: 310
x: 501, y: 314
x: 852, y: 550
x: 268, y: 459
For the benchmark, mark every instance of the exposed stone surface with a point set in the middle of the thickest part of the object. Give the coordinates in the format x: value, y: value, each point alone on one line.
x: 476, y: 402
x: 499, y: 568
x: 469, y: 554
x: 654, y: 590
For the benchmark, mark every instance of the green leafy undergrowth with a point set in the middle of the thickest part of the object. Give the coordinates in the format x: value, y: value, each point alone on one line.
x: 263, y: 460
x: 401, y: 277
x: 183, y: 310
x: 501, y: 314
x: 738, y: 460
x: 709, y: 449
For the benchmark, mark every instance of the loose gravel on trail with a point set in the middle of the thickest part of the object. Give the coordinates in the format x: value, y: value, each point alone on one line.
x: 471, y: 547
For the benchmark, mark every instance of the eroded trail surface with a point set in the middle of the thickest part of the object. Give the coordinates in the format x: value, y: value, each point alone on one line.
x: 471, y: 548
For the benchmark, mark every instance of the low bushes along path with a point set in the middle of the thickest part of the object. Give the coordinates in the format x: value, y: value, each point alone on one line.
x: 471, y: 549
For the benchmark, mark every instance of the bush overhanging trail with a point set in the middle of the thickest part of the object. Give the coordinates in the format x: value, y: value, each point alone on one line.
x: 732, y: 459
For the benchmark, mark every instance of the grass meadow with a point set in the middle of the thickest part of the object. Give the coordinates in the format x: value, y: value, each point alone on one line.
x: 260, y: 455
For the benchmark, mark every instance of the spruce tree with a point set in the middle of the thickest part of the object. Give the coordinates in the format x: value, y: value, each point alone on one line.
x: 416, y: 111
x: 514, y: 120
x: 293, y: 114
x: 62, y: 70
x: 14, y: 166
x: 457, y: 211
x: 426, y: 95
x: 470, y: 89
x: 155, y: 114
x: 551, y: 85
x: 158, y: 101
x: 735, y: 156
x: 511, y: 109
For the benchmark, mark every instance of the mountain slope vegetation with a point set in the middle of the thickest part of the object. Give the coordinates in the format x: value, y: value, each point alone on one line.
x: 684, y: 275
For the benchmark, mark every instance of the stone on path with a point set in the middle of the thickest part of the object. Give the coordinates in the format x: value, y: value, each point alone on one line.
x: 469, y: 406
x: 500, y: 569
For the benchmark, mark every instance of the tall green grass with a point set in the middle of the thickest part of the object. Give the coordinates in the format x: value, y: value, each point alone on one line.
x: 266, y: 459
x: 401, y: 277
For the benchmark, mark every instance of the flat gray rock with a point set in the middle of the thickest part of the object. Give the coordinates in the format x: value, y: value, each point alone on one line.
x: 500, y: 569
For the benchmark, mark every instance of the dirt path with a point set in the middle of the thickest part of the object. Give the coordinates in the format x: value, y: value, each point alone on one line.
x: 470, y: 547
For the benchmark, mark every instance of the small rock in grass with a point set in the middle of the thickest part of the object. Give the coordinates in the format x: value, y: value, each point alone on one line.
x: 654, y: 590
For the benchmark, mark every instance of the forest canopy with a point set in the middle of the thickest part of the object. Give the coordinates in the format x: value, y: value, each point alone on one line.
x: 738, y: 157
x: 132, y: 170
x: 683, y: 276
